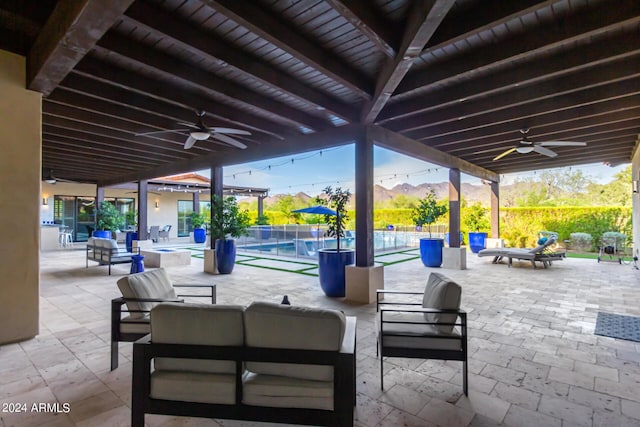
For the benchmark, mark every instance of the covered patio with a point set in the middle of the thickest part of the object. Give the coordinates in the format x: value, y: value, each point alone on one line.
x: 534, y: 360
x: 95, y: 92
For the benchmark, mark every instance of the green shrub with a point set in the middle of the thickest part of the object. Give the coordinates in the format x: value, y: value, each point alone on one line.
x: 581, y: 241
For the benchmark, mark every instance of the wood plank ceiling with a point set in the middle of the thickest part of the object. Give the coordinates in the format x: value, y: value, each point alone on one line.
x: 461, y: 76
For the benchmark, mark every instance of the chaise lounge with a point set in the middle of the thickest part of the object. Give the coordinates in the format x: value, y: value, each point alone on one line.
x: 538, y: 254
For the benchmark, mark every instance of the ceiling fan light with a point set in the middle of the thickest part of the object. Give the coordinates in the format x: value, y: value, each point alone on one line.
x: 524, y: 150
x: 199, y: 135
x: 50, y: 181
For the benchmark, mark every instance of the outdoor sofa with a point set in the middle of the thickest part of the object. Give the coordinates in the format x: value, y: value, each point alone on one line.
x: 266, y: 362
x: 540, y: 253
x: 107, y: 252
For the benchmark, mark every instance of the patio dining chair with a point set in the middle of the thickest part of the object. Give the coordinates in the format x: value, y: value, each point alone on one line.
x: 141, y: 292
x: 154, y: 233
x: 434, y: 328
x: 164, y: 233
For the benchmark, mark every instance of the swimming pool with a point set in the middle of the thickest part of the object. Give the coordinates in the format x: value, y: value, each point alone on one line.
x: 307, y: 248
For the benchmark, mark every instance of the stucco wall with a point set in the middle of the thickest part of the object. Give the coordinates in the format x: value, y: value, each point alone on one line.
x: 20, y: 170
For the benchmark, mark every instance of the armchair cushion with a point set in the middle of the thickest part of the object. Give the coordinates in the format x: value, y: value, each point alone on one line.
x: 415, y: 333
x: 286, y: 392
x: 443, y: 294
x: 150, y: 284
x: 284, y: 326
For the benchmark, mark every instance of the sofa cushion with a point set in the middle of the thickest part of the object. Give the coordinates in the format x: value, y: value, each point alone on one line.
x: 441, y: 293
x: 286, y: 392
x: 149, y: 284
x: 284, y: 326
x: 194, y: 387
x: 138, y: 325
x: 203, y: 324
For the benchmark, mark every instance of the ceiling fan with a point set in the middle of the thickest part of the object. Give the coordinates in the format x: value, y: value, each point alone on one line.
x: 199, y: 132
x: 50, y: 178
x: 525, y: 146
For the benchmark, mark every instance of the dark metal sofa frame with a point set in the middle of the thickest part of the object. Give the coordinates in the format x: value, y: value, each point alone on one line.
x: 344, y: 394
x: 95, y: 253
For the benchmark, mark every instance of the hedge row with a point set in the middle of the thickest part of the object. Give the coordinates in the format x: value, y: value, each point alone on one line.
x: 518, y: 226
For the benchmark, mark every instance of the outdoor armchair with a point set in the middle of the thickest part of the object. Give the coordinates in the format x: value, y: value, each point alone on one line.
x: 140, y: 293
x: 434, y: 328
x: 164, y: 232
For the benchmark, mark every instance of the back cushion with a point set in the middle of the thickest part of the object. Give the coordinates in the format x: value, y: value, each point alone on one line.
x: 204, y: 324
x: 441, y: 293
x: 150, y: 284
x: 285, y: 326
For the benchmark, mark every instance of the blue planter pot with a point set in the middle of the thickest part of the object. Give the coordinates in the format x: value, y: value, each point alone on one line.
x: 477, y: 241
x: 265, y: 232
x: 431, y: 252
x: 225, y: 255
x: 199, y: 235
x: 103, y: 234
x: 331, y: 266
x: 446, y: 238
x: 131, y: 236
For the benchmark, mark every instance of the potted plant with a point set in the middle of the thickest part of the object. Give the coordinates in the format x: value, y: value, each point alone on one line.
x: 332, y: 262
x: 426, y: 213
x: 264, y: 229
x: 197, y: 221
x: 476, y: 219
x: 227, y: 222
x: 109, y: 220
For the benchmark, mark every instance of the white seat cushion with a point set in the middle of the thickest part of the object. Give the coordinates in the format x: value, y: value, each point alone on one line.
x: 204, y: 324
x: 286, y: 392
x: 285, y: 326
x: 415, y: 335
x: 194, y: 387
x: 138, y: 325
x: 149, y: 284
x: 441, y: 293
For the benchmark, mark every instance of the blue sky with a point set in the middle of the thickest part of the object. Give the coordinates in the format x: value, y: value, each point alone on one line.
x: 313, y: 171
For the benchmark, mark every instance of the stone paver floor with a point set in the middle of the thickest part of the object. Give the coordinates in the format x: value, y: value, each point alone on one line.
x: 534, y: 360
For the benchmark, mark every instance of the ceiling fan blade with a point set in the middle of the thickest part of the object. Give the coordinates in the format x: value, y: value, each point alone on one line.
x: 509, y: 151
x: 230, y: 131
x: 562, y: 144
x: 190, y: 125
x: 544, y: 151
x: 229, y: 140
x: 162, y: 131
x: 189, y: 142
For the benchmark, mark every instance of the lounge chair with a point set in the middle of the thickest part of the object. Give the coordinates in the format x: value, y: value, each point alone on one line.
x: 540, y: 253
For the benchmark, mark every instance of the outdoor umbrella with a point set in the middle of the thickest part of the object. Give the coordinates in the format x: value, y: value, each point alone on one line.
x: 319, y: 209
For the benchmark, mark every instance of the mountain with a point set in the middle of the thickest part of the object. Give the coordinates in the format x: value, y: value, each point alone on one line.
x: 470, y: 192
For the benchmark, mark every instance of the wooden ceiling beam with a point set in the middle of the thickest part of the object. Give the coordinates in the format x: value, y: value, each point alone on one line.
x: 401, y: 144
x: 283, y: 35
x: 315, y: 141
x: 580, y: 26
x: 128, y: 88
x: 218, y: 50
x: 534, y: 72
x: 362, y: 16
x: 478, y: 18
x: 68, y: 35
x: 478, y: 126
x: 173, y: 69
x: 423, y: 21
x: 569, y: 88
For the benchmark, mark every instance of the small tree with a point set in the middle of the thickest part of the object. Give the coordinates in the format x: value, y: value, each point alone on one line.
x: 227, y: 219
x: 476, y: 218
x: 109, y: 217
x: 197, y: 220
x: 428, y: 211
x: 337, y: 200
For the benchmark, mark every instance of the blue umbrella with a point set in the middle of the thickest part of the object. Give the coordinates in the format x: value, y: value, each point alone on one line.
x: 319, y: 209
